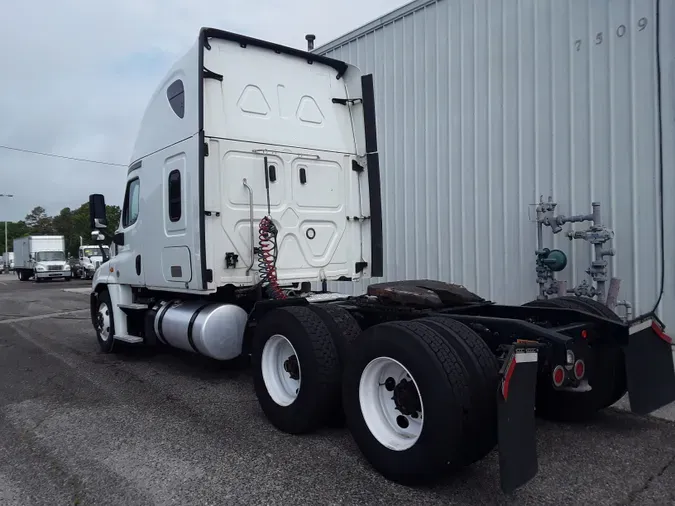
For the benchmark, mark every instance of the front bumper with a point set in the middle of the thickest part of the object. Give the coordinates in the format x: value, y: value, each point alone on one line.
x: 53, y: 274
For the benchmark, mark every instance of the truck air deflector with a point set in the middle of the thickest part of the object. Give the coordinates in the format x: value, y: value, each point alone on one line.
x: 243, y: 40
x: 374, y: 183
x: 369, y: 118
x: 135, y: 166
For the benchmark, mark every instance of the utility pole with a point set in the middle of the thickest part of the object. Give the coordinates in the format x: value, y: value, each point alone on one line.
x: 6, y: 251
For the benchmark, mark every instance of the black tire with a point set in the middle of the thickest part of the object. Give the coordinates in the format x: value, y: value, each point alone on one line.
x: 593, y: 306
x: 345, y: 330
x: 441, y: 379
x: 106, y: 343
x: 319, y: 365
x: 606, y: 373
x: 483, y: 369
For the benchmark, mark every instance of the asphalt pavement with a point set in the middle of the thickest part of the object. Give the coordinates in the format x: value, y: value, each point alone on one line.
x: 81, y: 427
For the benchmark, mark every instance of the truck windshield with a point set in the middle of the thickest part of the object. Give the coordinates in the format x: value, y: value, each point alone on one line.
x: 94, y: 252
x: 48, y: 256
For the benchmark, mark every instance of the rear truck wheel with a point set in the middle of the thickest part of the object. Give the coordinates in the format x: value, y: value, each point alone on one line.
x: 343, y: 327
x: 296, y: 370
x: 483, y: 370
x: 605, y: 372
x: 344, y: 330
x: 105, y: 323
x: 406, y: 401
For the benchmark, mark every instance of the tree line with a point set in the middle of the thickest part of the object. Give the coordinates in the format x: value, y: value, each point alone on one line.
x: 72, y: 224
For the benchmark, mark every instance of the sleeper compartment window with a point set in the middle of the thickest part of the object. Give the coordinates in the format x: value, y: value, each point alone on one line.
x: 176, y: 95
x: 174, y: 196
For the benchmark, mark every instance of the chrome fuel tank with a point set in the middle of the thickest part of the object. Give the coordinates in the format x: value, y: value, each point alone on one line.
x: 211, y: 329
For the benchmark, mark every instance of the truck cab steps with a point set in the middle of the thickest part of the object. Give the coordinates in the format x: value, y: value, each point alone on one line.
x: 129, y: 339
x: 131, y: 309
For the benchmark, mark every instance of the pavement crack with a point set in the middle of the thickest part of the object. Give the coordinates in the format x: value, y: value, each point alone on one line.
x: 633, y: 494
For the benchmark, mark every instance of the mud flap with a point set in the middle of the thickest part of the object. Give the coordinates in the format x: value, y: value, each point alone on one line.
x: 650, y: 371
x: 516, y: 421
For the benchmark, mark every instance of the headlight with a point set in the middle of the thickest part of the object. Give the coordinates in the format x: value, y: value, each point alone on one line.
x: 90, y: 267
x: 40, y: 268
x: 66, y: 267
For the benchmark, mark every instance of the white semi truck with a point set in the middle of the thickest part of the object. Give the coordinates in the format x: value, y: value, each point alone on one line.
x: 41, y: 257
x: 89, y: 259
x: 255, y: 173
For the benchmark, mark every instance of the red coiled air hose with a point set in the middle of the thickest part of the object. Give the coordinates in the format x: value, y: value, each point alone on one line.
x: 267, y: 257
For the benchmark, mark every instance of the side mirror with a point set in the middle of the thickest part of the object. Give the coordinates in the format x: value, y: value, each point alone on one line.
x: 97, y: 218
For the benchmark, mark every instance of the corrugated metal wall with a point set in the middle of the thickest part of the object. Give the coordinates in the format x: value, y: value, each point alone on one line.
x: 485, y: 105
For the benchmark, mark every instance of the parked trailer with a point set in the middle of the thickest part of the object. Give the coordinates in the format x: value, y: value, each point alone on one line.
x: 41, y: 257
x: 279, y: 188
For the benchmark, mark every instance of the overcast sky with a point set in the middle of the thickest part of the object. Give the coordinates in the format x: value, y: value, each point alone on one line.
x: 76, y: 76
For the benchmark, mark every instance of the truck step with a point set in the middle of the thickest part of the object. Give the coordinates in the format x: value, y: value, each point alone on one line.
x: 129, y: 339
x: 133, y: 307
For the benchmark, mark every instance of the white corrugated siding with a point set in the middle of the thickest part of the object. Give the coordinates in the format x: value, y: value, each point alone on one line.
x: 483, y: 106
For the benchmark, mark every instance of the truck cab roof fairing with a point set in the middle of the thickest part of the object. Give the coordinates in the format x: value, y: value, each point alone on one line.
x: 161, y: 126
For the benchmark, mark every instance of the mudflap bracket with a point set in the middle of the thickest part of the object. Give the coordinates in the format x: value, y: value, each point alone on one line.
x: 516, y: 415
x: 650, y: 371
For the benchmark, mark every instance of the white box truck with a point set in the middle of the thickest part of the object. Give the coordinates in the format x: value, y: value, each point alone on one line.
x: 41, y: 257
x: 8, y: 261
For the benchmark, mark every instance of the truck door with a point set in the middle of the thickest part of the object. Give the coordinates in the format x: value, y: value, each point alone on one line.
x: 128, y: 262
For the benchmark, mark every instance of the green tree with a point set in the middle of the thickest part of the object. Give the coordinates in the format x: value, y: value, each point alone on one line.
x: 38, y: 222
x: 113, y: 214
x: 15, y: 229
x: 73, y: 225
x: 63, y: 225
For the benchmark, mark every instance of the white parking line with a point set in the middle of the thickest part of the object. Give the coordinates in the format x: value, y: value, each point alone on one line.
x: 86, y: 289
x: 42, y: 316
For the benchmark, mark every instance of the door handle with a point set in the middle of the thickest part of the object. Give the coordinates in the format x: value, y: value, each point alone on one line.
x: 303, y: 175
x: 138, y: 265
